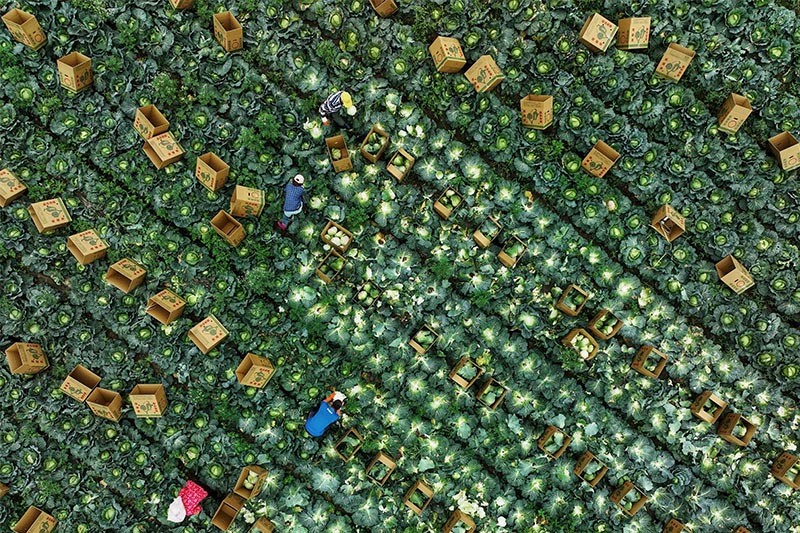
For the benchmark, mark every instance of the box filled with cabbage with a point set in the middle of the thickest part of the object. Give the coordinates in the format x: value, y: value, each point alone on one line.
x: 512, y: 251
x: 447, y: 202
x: 423, y: 340
x: 400, y: 164
x: 554, y: 442
x: 605, y: 325
x: 367, y: 295
x: 583, y: 343
x: 331, y: 266
x: 375, y: 143
x: 336, y: 237
x: 491, y: 394
x: 337, y: 151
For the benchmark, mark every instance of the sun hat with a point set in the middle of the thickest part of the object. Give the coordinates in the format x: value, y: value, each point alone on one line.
x: 339, y: 396
x: 347, y: 100
x: 299, y: 179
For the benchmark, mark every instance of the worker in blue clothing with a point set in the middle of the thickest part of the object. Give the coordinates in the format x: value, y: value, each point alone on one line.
x: 333, y: 104
x: 328, y: 412
x: 293, y: 202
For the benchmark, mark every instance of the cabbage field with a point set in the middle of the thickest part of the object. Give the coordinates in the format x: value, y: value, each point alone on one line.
x: 412, y: 296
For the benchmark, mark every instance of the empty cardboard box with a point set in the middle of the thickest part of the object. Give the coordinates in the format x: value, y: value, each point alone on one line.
x: 383, y: 8
x: 734, y: 275
x: 227, y: 511
x: 105, y: 403
x: 26, y: 358
x: 181, y: 4
x: 35, y: 521
x: 537, y: 111
x: 736, y: 429
x: 634, y: 33
x: 786, y: 149
x: 255, y: 371
x: 484, y: 75
x: 600, y: 159
x: 263, y: 525
x: 211, y: 171
x: 149, y: 122
x: 163, y: 149
x: 598, y: 33
x: 646, y: 366
x: 49, y: 214
x: 228, y: 228
x: 87, y: 246
x: 668, y: 222
x: 447, y: 54
x: 165, y: 306
x: 247, y: 201
x: 80, y: 383
x: 207, y: 334
x: 227, y: 31
x: 125, y: 275
x: 10, y: 187
x: 708, y: 400
x: 25, y: 28
x: 674, y: 62
x: 75, y: 72
x: 148, y: 400
x: 734, y: 112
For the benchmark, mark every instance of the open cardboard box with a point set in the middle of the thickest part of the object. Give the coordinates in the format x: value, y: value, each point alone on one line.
x: 582, y: 471
x: 165, y: 306
x: 345, y: 448
x: 228, y: 228
x: 698, y: 407
x: 642, y: 365
x: 597, y: 33
x: 444, y: 205
x: 255, y: 371
x: 344, y: 162
x: 634, y: 33
x: 10, y: 187
x: 35, y: 521
x: 87, y: 246
x: 607, y: 317
x: 105, y: 403
x: 163, y: 149
x: 419, y: 348
x: 483, y: 240
x: 384, y: 8
x: 459, y: 517
x: 674, y: 62
x: 668, y: 222
x: 508, y: 260
x: 211, y: 171
x: 548, y: 435
x: 386, y: 460
x: 25, y: 28
x: 125, y: 275
x: 75, y: 72
x: 619, y: 494
x: 399, y: 173
x: 80, y: 383
x: 244, y: 492
x: 427, y: 494
x: 227, y: 511
x: 600, y: 159
x: 675, y: 526
x: 563, y: 305
x: 26, y: 358
x: 462, y: 364
x: 537, y: 111
x: 728, y: 429
x: 377, y: 130
x: 734, y: 274
x: 228, y: 31
x: 49, y: 214
x: 489, y: 384
x: 786, y: 149
x: 149, y: 121
x: 484, y: 74
x: 263, y: 525
x: 734, y: 112
x: 326, y: 239
x: 785, y: 468
x: 208, y: 334
x: 567, y: 341
x: 149, y: 400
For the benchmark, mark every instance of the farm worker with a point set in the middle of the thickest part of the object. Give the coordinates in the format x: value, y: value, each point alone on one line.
x: 293, y: 201
x: 328, y: 412
x: 333, y: 104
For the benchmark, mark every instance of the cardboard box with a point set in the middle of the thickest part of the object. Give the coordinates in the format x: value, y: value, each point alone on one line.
x: 263, y: 525
x: 445, y: 204
x: 400, y: 172
x: 228, y: 228
x: 10, y: 187
x: 211, y: 171
x: 244, y: 492
x: 35, y: 521
x: 481, y: 395
x: 698, y: 407
x: 465, y: 363
x: 49, y: 214
x: 600, y: 159
x: 254, y: 371
x: 208, y: 333
x: 734, y: 275
x: 668, y: 222
x: 80, y: 383
x: 125, y: 275
x: 87, y: 246
x: 484, y: 75
x: 105, y: 403
x: 619, y: 494
x: 420, y: 347
x: 345, y: 448
x: 149, y: 400
x: 549, y: 434
x: 227, y: 511
x: 3, y: 490
x: 75, y: 71
x: 567, y: 341
x: 582, y: 471
x: 343, y: 163
x: 785, y: 468
x: 563, y: 303
x: 447, y: 54
x: 26, y: 358
x: 641, y: 358
x: 634, y: 33
x: 483, y: 240
x: 149, y: 122
x: 734, y: 112
x: 25, y: 28
x: 327, y: 240
x: 181, y: 4
x: 537, y: 111
x: 674, y: 62
x: 461, y: 518
x: 427, y: 495
x: 674, y: 526
x: 228, y: 31
x: 372, y: 292
x: 598, y: 33
x: 325, y: 270
x: 373, y: 158
x: 787, y: 149
x: 385, y: 459
x: 165, y: 306
x: 728, y: 429
x: 163, y: 149
x: 384, y: 8
x: 740, y: 529
x: 607, y: 317
x: 510, y: 261
x: 247, y: 201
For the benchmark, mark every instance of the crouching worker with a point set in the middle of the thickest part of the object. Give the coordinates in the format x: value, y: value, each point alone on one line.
x: 293, y: 201
x: 333, y: 104
x: 328, y: 412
